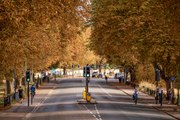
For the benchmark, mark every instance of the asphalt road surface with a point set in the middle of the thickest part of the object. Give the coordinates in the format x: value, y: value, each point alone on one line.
x: 60, y: 103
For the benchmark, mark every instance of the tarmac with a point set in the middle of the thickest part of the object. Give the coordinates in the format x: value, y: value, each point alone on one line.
x: 145, y: 99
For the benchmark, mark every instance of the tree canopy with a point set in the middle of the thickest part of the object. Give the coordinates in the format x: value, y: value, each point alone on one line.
x: 39, y: 33
x: 129, y: 32
x: 124, y: 32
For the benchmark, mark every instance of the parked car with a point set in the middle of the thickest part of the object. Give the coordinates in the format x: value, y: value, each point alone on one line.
x: 95, y: 74
x: 118, y: 75
x: 111, y: 73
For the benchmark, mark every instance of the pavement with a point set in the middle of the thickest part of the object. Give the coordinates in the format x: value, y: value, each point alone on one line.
x: 170, y: 109
x: 41, y: 93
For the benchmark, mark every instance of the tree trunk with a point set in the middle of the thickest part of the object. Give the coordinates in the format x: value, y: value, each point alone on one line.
x: 100, y: 68
x: 165, y: 77
x: 125, y: 74
x: 22, y: 81
x: 168, y: 83
x: 133, y: 74
x: 8, y: 87
x: 64, y: 70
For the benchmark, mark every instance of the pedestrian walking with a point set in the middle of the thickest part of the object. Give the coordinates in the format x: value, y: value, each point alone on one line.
x: 20, y: 90
x: 106, y: 78
x: 159, y: 90
x: 160, y: 95
x: 169, y: 96
x: 119, y: 79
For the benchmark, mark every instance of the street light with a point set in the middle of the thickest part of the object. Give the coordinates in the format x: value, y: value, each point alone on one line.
x: 28, y: 78
x: 157, y: 79
x: 178, y: 99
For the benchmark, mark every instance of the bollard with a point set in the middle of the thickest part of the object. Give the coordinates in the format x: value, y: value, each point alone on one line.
x: 84, y: 95
x: 88, y: 97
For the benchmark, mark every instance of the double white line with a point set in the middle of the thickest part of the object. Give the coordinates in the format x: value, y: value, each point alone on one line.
x: 98, y: 117
x: 28, y: 115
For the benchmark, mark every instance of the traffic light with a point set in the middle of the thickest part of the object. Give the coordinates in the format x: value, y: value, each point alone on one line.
x: 86, y: 71
x: 28, y: 75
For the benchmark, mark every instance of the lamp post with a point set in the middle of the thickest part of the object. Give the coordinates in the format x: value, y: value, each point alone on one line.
x: 157, y: 79
x: 178, y: 99
x: 178, y: 84
x: 173, y: 82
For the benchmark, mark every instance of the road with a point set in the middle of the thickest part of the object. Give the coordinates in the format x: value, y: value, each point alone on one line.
x: 60, y: 103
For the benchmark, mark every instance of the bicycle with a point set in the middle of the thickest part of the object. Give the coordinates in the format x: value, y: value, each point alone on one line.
x: 135, y: 98
x: 32, y: 97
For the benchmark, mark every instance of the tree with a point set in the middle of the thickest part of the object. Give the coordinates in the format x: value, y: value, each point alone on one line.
x: 38, y: 32
x: 133, y: 33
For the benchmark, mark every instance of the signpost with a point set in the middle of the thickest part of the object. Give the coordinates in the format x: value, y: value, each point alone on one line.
x: 86, y: 74
x: 157, y: 79
x: 173, y: 81
x: 72, y: 70
x: 28, y: 76
x: 86, y: 96
x: 178, y: 84
x: 178, y: 99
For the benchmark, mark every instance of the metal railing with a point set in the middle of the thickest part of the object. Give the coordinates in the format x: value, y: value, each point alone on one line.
x: 7, y: 100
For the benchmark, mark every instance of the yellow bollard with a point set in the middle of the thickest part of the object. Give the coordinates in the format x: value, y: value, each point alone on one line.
x: 84, y: 95
x: 89, y: 97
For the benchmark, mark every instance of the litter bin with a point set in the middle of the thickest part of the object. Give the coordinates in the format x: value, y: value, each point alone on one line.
x: 84, y: 95
x: 88, y: 97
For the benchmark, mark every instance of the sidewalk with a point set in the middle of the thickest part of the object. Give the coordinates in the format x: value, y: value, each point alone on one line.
x: 41, y: 95
x: 170, y: 109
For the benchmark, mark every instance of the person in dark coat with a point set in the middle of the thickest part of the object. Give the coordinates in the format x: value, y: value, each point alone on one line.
x: 20, y: 94
x: 169, y: 97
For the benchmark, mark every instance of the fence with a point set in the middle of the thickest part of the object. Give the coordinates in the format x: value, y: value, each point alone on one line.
x: 9, y: 99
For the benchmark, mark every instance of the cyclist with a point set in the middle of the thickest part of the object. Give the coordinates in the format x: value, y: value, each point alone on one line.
x: 33, y: 90
x: 135, y: 95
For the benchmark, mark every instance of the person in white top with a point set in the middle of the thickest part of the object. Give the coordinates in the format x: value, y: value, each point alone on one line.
x: 160, y: 94
x: 160, y: 90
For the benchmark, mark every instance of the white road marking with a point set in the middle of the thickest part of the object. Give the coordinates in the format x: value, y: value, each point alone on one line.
x: 98, y: 117
x: 104, y: 90
x: 28, y: 115
x: 97, y: 111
